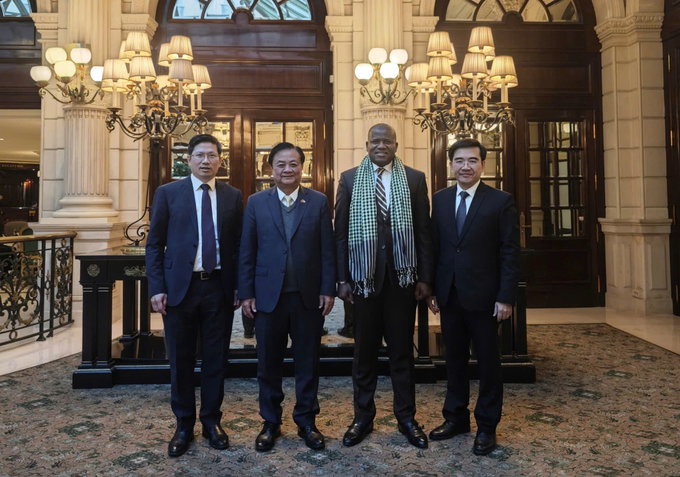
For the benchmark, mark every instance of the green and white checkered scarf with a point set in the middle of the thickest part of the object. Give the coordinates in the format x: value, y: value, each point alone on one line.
x: 363, y: 228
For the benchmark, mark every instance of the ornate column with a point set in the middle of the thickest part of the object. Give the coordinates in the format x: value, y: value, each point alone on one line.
x: 636, y: 226
x: 86, y: 191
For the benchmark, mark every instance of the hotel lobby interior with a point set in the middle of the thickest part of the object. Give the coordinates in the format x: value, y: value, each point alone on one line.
x: 577, y: 104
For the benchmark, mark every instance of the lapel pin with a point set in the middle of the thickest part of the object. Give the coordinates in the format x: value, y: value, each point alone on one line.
x: 302, y: 201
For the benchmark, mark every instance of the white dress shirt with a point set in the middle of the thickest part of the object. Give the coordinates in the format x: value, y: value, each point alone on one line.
x: 289, y: 199
x: 198, y: 198
x: 468, y: 199
x: 386, y: 179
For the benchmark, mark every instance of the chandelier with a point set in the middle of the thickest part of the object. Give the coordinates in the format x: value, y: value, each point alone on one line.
x: 68, y: 65
x: 386, y: 73
x: 465, y: 103
x: 157, y: 102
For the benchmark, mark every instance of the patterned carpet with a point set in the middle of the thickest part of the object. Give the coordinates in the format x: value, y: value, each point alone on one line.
x: 605, y: 404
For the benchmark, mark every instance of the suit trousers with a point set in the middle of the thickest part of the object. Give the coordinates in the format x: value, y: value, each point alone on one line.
x: 459, y: 327
x: 290, y: 317
x: 203, y: 312
x: 390, y: 313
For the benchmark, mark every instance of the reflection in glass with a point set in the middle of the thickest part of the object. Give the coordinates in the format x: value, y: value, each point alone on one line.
x: 300, y: 134
x: 267, y: 135
x: 531, y: 10
x: 219, y: 9
x: 268, y: 10
x: 15, y: 8
x: 534, y: 11
x: 564, y: 11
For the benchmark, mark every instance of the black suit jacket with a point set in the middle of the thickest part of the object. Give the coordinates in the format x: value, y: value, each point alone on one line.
x: 264, y: 249
x: 420, y: 207
x: 483, y: 262
x: 173, y: 238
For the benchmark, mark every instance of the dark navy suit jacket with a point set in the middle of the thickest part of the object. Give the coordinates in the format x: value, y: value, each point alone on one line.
x: 483, y: 261
x: 173, y: 238
x: 263, y: 249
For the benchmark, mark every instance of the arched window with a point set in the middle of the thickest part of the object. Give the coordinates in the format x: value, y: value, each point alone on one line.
x: 530, y: 10
x: 259, y: 9
x: 15, y: 8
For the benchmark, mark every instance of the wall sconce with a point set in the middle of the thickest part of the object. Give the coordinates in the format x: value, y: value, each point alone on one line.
x: 386, y: 73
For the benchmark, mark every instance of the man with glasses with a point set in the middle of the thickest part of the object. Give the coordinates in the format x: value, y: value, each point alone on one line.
x: 191, y: 267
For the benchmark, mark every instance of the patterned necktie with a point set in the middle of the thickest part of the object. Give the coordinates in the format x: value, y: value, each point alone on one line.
x: 380, y: 196
x: 209, y: 248
x: 462, y: 212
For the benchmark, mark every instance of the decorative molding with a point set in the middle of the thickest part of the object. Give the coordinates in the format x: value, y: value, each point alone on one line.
x: 139, y: 22
x: 135, y: 271
x: 635, y: 226
x: 93, y: 270
x: 424, y: 24
x: 45, y: 21
x: 336, y: 26
x: 632, y: 23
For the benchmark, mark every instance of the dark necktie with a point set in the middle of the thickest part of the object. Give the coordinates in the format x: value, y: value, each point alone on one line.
x: 462, y: 212
x: 209, y: 248
x: 380, y: 196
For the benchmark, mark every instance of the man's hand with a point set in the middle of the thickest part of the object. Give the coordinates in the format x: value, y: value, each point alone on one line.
x: 502, y: 311
x: 237, y: 303
x: 345, y: 293
x: 159, y: 302
x: 432, y: 304
x: 326, y: 302
x: 249, y: 307
x: 423, y: 290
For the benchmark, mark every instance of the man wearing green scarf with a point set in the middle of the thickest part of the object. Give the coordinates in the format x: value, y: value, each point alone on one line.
x: 385, y: 264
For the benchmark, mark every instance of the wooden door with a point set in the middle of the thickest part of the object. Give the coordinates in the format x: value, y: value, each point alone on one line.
x: 556, y: 190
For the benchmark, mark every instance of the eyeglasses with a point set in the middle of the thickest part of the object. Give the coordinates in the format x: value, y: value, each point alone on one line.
x: 200, y: 156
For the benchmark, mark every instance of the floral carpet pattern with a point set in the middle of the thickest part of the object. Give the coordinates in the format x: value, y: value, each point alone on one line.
x: 605, y: 404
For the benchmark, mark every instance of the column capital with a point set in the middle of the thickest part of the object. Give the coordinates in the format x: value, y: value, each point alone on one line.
x: 139, y: 22
x: 635, y: 27
x: 424, y: 24
x: 336, y: 26
x: 47, y: 24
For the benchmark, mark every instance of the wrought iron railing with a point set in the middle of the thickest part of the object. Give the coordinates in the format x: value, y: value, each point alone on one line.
x: 36, y: 282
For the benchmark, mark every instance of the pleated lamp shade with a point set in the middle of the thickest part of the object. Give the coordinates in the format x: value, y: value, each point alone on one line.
x: 122, y: 55
x: 141, y: 69
x: 453, y: 59
x: 418, y: 75
x: 163, y: 59
x: 115, y: 73
x: 137, y: 44
x: 162, y: 81
x: 503, y: 70
x: 489, y: 56
x: 474, y: 65
x: 180, y: 48
x: 439, y: 69
x: 181, y: 72
x: 439, y: 44
x: 201, y: 78
x: 481, y: 40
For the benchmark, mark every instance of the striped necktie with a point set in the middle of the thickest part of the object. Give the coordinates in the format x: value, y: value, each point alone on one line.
x: 380, y: 196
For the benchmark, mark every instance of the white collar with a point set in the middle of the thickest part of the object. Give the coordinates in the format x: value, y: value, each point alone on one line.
x: 293, y: 195
x: 471, y: 190
x: 388, y: 167
x: 197, y: 183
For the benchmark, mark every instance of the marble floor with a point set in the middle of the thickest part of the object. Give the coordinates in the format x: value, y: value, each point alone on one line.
x: 660, y: 330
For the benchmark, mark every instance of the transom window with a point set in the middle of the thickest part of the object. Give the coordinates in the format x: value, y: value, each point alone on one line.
x: 15, y: 8
x: 259, y: 9
x: 531, y: 10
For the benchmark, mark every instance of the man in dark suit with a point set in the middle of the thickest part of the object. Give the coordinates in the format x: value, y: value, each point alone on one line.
x: 287, y: 282
x: 475, y: 289
x: 385, y: 264
x: 191, y: 267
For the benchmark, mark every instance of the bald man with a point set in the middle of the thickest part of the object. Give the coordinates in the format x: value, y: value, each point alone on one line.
x: 385, y: 265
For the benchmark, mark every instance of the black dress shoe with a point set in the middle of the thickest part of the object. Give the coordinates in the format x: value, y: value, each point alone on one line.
x: 414, y: 432
x: 356, y: 433
x: 216, y: 436
x: 267, y: 437
x: 485, y: 442
x: 179, y: 443
x: 448, y: 430
x: 313, y: 438
x: 346, y: 331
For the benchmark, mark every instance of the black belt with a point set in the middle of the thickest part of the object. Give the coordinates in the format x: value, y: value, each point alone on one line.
x: 205, y: 275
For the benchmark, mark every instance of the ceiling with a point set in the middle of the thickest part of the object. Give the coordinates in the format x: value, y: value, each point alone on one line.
x: 20, y: 134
